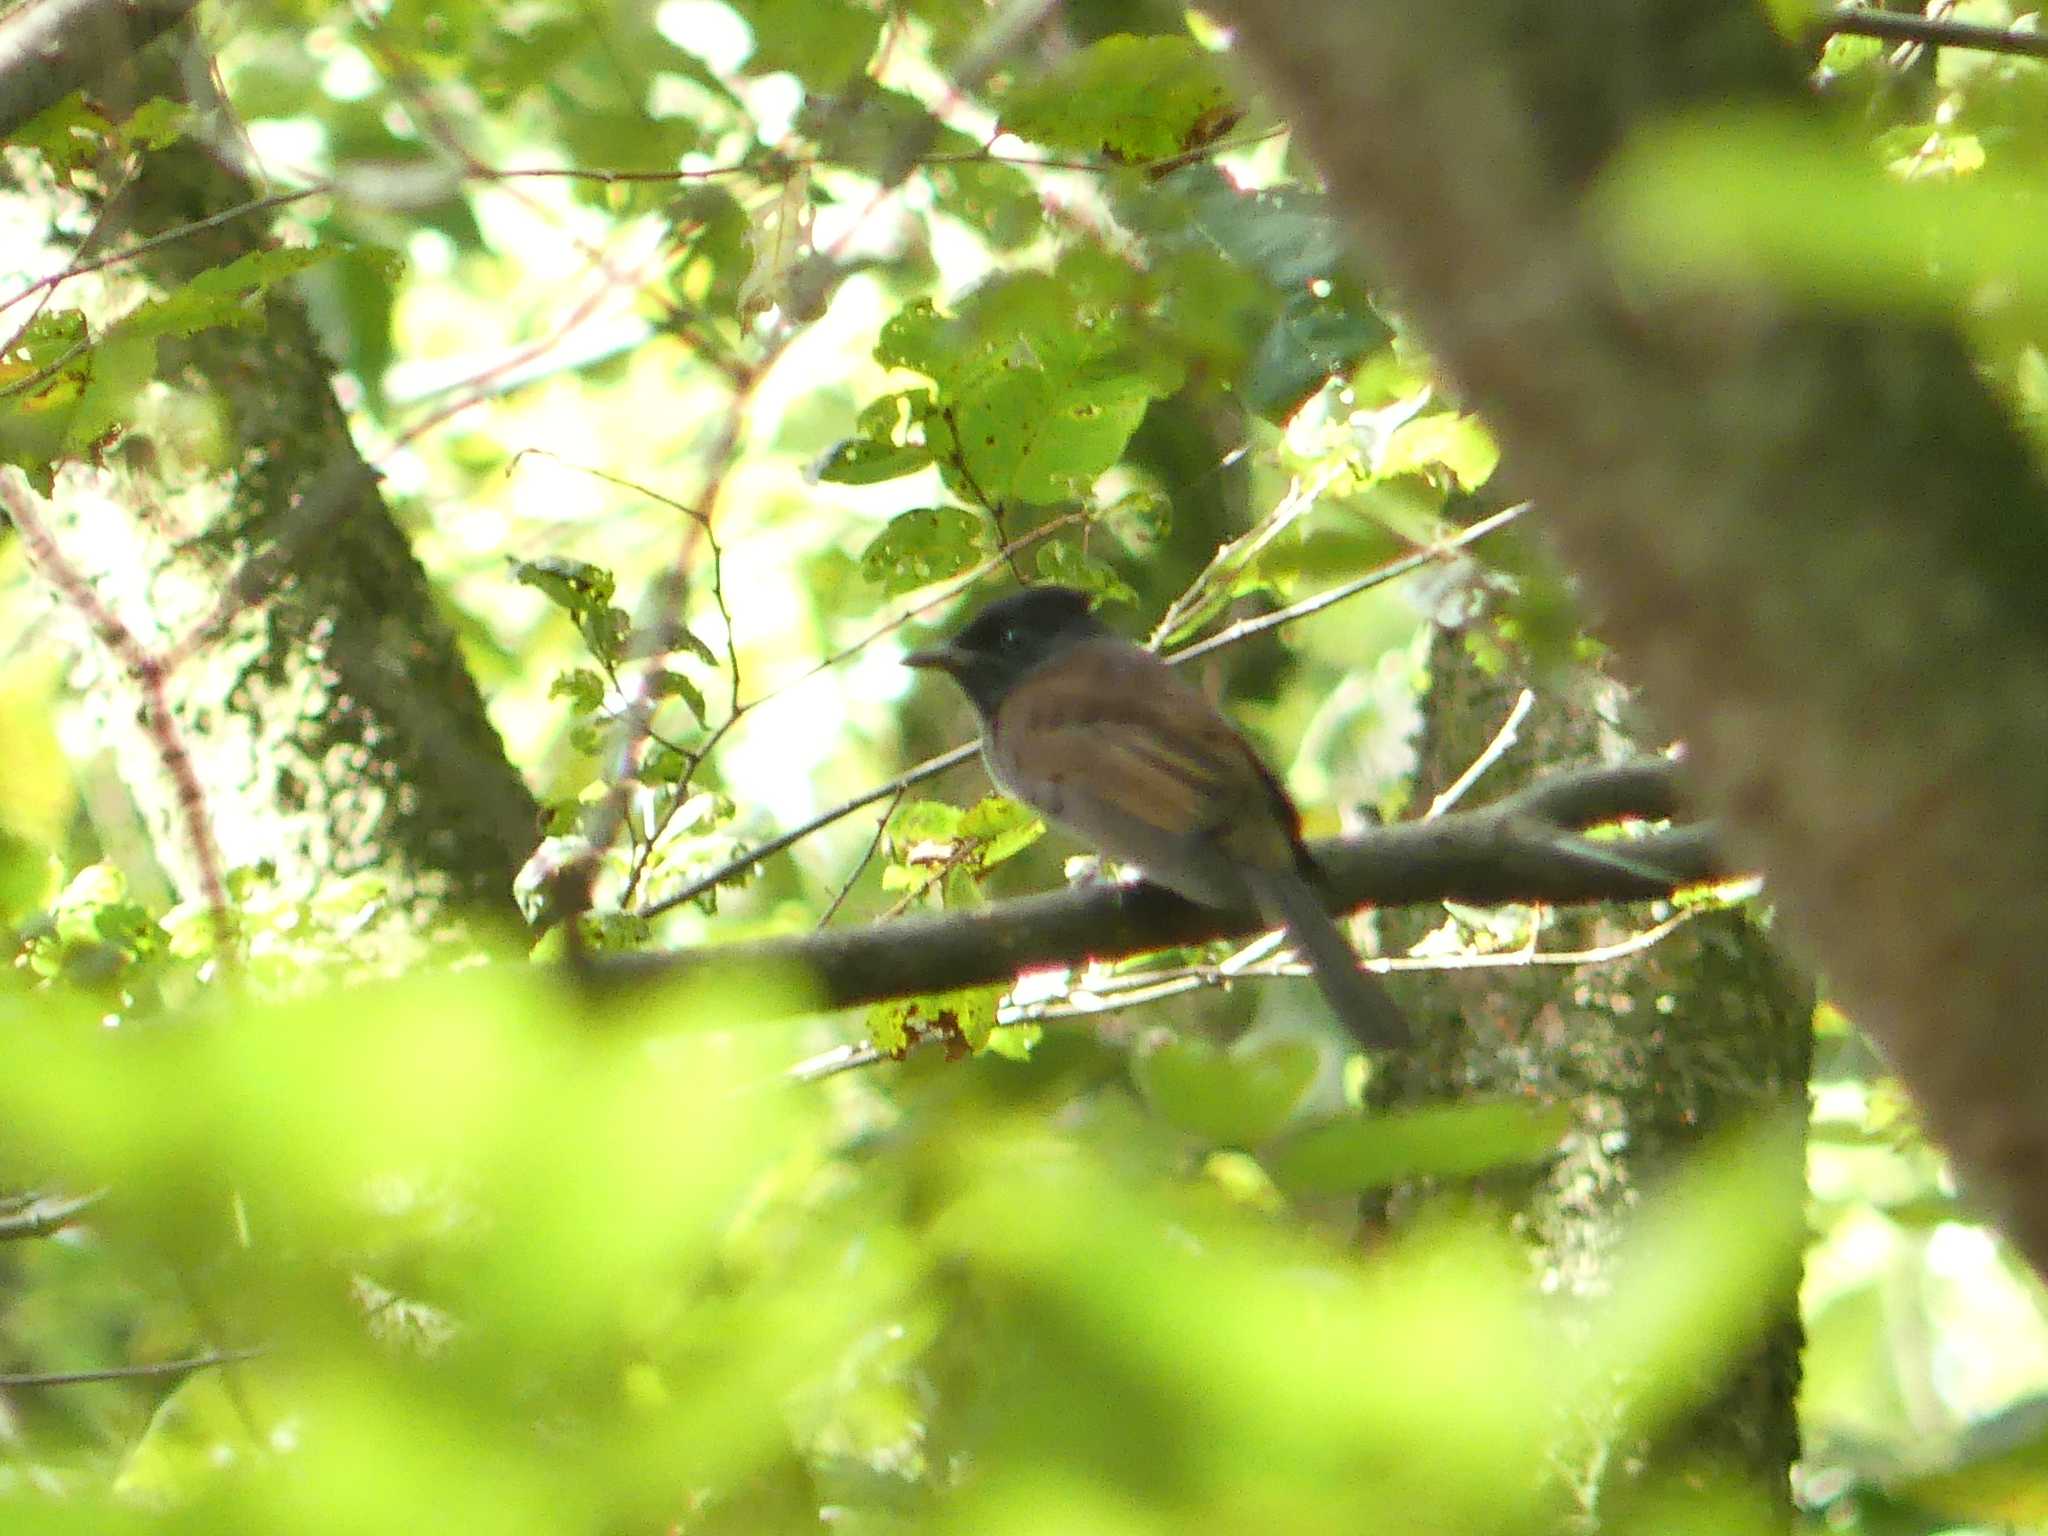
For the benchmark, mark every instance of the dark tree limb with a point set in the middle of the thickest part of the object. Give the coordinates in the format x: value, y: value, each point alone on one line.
x: 1525, y: 849
x: 1813, y: 536
x: 1899, y: 27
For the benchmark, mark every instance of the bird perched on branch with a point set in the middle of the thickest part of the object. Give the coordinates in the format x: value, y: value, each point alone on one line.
x: 1102, y: 737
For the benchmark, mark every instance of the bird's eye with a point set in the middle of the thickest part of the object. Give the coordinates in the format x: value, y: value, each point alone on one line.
x: 1010, y: 637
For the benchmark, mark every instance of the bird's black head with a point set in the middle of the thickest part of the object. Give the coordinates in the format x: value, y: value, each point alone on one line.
x: 1010, y: 637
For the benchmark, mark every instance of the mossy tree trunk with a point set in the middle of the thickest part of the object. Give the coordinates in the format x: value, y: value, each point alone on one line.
x: 1701, y: 1033
x: 330, y: 723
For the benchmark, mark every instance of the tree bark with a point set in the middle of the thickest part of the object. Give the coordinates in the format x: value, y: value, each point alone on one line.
x: 1815, y: 538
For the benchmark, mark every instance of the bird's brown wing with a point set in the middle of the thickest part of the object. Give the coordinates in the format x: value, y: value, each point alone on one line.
x: 1111, y: 722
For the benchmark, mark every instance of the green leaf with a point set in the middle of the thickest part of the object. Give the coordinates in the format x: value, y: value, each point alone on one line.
x: 1040, y: 379
x: 674, y: 685
x: 1065, y: 563
x: 1310, y: 341
x: 1137, y: 98
x: 583, y: 689
x: 220, y: 295
x: 887, y: 418
x: 92, y: 396
x: 863, y: 461
x: 682, y: 638
x: 1061, y: 432
x: 661, y: 764
x: 963, y: 1018
x: 574, y: 585
x: 1457, y: 445
x: 1002, y: 827
x: 714, y: 249
x: 923, y: 546
x: 998, y: 201
x: 122, y: 365
x: 158, y: 123
x: 352, y: 302
x: 1237, y: 1098
x: 1447, y: 1141
x: 1285, y: 235
x: 604, y: 630
x: 1140, y: 519
x: 1015, y: 1042
x: 918, y: 336
x: 68, y: 134
x: 924, y: 821
x: 43, y: 376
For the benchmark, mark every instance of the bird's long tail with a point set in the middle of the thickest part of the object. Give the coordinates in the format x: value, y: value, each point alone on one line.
x: 1357, y: 999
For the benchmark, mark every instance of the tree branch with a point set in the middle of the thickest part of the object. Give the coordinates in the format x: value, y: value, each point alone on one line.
x: 1523, y: 849
x: 1896, y: 26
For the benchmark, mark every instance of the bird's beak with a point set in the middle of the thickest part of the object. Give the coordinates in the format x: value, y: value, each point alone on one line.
x: 937, y: 658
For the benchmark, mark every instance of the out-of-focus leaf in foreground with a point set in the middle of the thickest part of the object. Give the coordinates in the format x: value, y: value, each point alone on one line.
x: 1764, y: 197
x: 495, y: 1251
x: 507, y: 1258
x: 1177, y: 1367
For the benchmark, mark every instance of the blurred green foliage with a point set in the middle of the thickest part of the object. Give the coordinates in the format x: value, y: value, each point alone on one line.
x: 698, y: 1273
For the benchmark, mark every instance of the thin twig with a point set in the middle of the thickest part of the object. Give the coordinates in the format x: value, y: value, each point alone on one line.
x: 938, y: 599
x: 881, y: 826
x: 1505, y: 737
x: 218, y: 1357
x: 1240, y: 552
x: 841, y: 1058
x: 930, y: 768
x: 1379, y: 576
